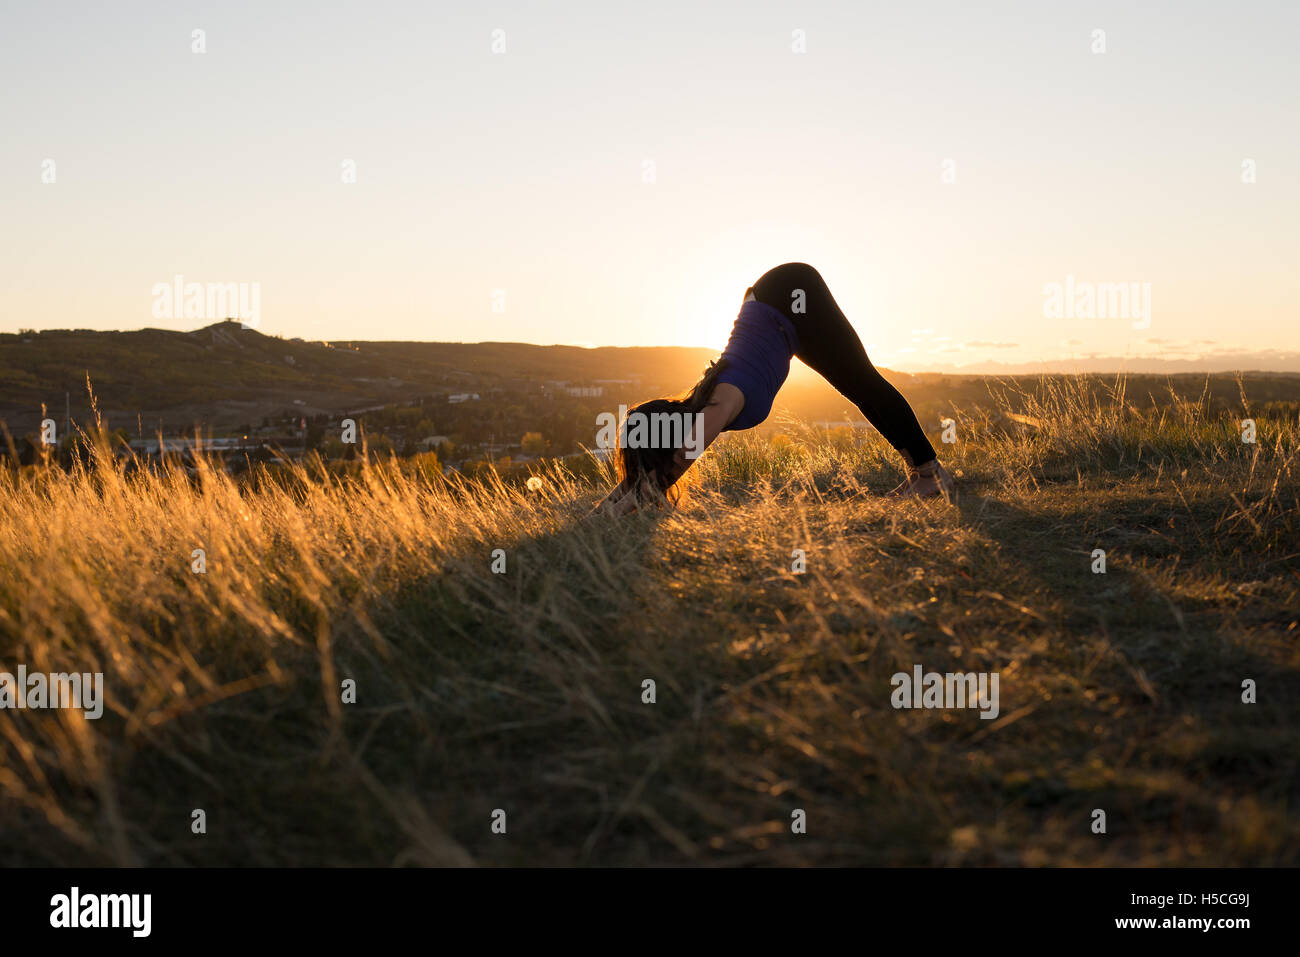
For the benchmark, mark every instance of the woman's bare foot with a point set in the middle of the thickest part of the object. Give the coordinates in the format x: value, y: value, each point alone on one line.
x: 926, y: 481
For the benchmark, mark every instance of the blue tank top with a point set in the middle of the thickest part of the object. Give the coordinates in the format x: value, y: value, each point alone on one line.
x: 758, y: 360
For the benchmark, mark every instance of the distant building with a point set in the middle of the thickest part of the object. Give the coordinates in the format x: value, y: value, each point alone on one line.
x: 432, y: 441
x: 463, y: 397
x: 585, y: 391
x: 186, y: 443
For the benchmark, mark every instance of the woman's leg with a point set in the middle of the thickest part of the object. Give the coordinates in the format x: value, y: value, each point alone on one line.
x: 828, y: 344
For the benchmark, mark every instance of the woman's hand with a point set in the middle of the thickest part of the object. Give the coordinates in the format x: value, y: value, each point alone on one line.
x: 620, y: 501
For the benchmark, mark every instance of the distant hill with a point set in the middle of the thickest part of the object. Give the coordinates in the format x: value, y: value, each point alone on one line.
x: 1263, y: 360
x: 225, y: 376
x: 226, y: 372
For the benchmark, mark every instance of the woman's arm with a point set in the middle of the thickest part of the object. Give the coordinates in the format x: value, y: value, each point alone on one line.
x: 723, y: 407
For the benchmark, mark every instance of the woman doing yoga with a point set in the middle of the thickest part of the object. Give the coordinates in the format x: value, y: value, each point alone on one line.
x: 789, y: 312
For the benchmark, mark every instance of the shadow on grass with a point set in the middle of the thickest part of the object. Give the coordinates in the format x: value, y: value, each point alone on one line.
x: 1152, y: 682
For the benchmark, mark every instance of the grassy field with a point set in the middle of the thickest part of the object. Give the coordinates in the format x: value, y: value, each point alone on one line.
x: 523, y: 691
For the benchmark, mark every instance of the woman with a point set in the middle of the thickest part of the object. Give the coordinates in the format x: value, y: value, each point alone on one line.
x: 788, y: 312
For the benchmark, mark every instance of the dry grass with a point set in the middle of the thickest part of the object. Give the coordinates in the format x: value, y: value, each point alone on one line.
x: 522, y: 691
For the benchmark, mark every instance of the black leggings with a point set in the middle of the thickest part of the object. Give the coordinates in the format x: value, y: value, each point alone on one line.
x: 828, y: 345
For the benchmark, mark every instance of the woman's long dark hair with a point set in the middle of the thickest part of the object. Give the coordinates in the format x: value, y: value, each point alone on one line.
x: 656, y: 464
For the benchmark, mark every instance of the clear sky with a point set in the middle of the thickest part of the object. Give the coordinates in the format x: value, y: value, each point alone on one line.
x: 525, y: 170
